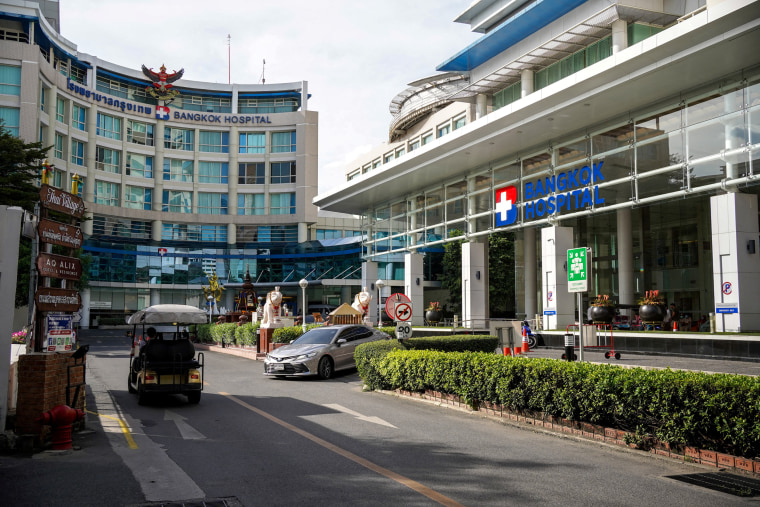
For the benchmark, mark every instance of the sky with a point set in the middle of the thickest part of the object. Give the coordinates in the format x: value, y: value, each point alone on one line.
x: 355, y: 54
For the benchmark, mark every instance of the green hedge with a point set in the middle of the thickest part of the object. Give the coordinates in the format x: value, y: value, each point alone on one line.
x: 230, y: 332
x: 720, y: 412
x: 288, y: 334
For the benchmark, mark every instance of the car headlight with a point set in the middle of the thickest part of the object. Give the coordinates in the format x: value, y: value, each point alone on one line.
x: 306, y: 356
x: 267, y: 357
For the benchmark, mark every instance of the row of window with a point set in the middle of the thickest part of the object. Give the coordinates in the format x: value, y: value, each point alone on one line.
x: 412, y: 144
x: 181, y: 201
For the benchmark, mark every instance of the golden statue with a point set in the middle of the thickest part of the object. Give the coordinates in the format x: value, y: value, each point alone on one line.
x: 213, y: 289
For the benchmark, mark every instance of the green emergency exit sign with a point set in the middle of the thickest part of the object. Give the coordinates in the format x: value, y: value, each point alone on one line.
x: 577, y: 269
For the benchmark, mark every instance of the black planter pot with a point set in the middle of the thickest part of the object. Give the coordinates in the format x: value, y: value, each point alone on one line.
x: 651, y: 314
x: 433, y: 316
x: 602, y: 314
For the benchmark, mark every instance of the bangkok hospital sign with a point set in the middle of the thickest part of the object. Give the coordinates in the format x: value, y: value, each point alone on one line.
x: 162, y: 112
x: 563, y: 192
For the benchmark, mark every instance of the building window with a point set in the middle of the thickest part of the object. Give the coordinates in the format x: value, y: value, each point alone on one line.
x: 43, y: 94
x: 444, y: 129
x: 251, y: 204
x: 79, y: 117
x: 10, y: 118
x: 109, y: 127
x: 259, y: 106
x: 328, y: 234
x: 212, y: 172
x: 137, y: 198
x: 375, y: 163
x: 253, y: 142
x: 400, y: 152
x: 283, y: 172
x: 58, y: 148
x: 139, y: 166
x: 10, y: 80
x: 77, y: 152
x: 178, y: 201
x: 56, y: 179
x: 60, y: 110
x: 354, y: 174
x: 107, y: 193
x: 179, y: 139
x: 212, y: 204
x: 387, y: 158
x: 204, y: 104
x: 284, y: 142
x: 414, y: 144
x: 459, y: 123
x: 213, y: 142
x: 252, y: 173
x: 282, y: 204
x: 107, y: 160
x: 116, y: 88
x: 188, y: 232
x: 178, y: 170
x: 139, y: 133
x: 426, y: 138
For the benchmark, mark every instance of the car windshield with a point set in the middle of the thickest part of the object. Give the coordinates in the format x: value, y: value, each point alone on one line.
x: 321, y: 336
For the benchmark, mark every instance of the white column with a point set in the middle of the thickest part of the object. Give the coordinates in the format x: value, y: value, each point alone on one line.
x: 345, y: 294
x: 529, y: 271
x: 413, y: 276
x: 736, y: 267
x: 303, y: 232
x: 481, y: 105
x: 474, y: 287
x: 526, y: 83
x: 10, y: 231
x: 558, y: 303
x: 619, y: 35
x: 625, y: 258
x: 155, y: 297
x: 85, y: 310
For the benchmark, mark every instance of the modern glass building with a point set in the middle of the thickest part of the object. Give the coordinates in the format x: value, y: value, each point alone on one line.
x: 630, y: 128
x: 181, y: 178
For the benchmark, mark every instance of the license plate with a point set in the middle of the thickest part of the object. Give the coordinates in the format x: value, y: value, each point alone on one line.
x: 278, y: 367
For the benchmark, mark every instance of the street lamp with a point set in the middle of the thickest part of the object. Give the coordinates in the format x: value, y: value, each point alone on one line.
x: 210, y: 307
x: 303, y: 283
x: 379, y: 284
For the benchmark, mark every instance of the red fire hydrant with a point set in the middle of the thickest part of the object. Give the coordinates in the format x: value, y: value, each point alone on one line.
x: 60, y: 418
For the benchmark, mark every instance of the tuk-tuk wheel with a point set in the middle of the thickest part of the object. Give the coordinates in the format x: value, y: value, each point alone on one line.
x: 142, y: 396
x: 194, y: 397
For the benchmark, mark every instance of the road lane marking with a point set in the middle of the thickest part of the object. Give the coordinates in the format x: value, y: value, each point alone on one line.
x: 124, y: 429
x: 412, y: 484
x: 361, y: 417
x: 185, y: 430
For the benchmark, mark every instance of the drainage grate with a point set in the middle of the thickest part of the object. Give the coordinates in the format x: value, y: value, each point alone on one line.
x: 723, y: 482
x: 229, y: 501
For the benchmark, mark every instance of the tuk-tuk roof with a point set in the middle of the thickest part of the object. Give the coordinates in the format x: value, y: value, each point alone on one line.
x: 169, y: 314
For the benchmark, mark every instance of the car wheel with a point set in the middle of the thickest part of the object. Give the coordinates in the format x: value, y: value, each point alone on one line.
x: 142, y: 396
x: 194, y: 397
x: 325, y: 368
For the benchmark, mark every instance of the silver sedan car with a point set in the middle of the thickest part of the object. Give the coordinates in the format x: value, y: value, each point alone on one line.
x: 320, y: 351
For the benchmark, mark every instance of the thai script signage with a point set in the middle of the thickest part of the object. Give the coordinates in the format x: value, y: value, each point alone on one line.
x: 49, y: 299
x: 56, y: 233
x: 60, y: 332
x: 107, y: 100
x: 59, y: 266
x: 58, y: 200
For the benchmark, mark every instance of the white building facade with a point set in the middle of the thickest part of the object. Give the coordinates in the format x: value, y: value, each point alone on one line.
x: 628, y: 127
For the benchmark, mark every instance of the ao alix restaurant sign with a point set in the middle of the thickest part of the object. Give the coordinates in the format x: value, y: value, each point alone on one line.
x: 59, y: 266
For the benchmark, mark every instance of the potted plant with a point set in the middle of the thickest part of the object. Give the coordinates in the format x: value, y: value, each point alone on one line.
x: 602, y: 309
x: 651, y: 307
x: 433, y: 312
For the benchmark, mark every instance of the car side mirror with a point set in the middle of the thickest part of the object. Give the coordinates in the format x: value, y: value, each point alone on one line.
x: 341, y: 341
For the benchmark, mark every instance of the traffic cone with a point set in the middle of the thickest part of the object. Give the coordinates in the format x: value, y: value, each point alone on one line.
x: 525, y: 345
x: 675, y: 326
x: 507, y: 351
x: 517, y: 351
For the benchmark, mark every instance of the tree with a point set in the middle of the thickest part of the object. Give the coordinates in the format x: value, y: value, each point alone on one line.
x: 501, y: 274
x: 20, y: 165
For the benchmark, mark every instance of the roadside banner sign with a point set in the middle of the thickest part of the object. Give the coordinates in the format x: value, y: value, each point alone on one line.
x: 578, y: 262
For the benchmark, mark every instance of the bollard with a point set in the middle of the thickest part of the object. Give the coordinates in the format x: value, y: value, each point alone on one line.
x: 569, y: 344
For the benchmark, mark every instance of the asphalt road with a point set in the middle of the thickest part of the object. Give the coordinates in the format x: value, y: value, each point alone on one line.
x: 254, y: 440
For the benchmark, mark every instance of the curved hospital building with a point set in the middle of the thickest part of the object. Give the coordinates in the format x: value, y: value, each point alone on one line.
x: 629, y: 128
x: 181, y: 179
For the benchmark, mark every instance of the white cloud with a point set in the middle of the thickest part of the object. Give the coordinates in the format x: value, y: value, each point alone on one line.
x: 355, y: 54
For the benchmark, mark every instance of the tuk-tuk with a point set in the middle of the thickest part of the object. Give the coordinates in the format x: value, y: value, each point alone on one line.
x: 163, y: 357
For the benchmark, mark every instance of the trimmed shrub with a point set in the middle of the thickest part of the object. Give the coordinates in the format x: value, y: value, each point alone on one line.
x: 224, y: 332
x: 245, y: 335
x: 288, y: 334
x: 720, y: 412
